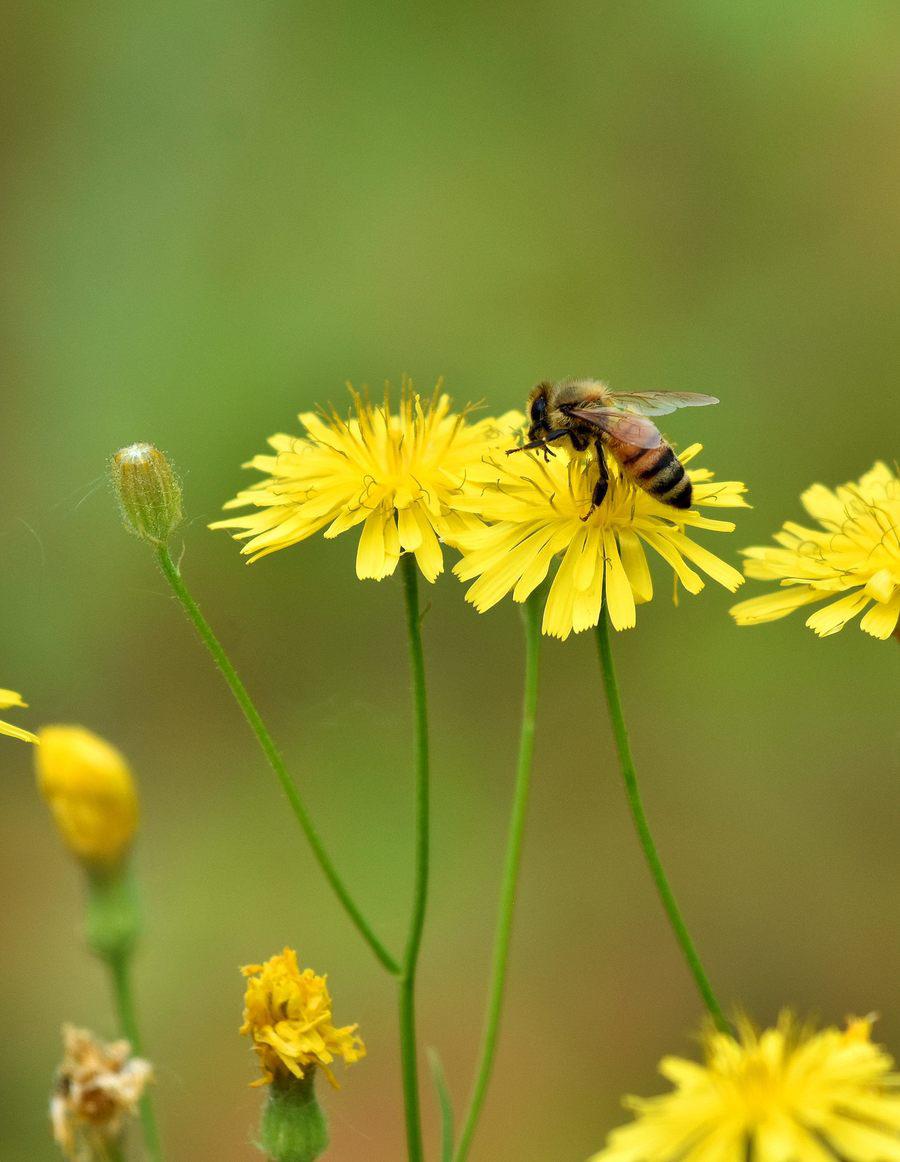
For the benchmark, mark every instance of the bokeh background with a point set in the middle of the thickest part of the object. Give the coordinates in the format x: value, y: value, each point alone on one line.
x: 218, y: 213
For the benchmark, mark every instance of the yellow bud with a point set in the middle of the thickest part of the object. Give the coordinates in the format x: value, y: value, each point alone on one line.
x: 148, y: 492
x: 89, y: 788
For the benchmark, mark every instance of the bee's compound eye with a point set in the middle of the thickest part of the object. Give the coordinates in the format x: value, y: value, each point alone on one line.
x: 539, y: 410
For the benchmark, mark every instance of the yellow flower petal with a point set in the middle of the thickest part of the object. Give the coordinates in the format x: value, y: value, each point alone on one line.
x: 370, y: 554
x: 881, y: 620
x: 637, y: 570
x: 836, y: 615
x: 8, y: 700
x: 772, y: 606
x: 619, y: 594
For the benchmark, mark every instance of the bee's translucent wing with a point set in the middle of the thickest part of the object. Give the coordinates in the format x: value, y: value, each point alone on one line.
x: 624, y: 426
x: 660, y: 403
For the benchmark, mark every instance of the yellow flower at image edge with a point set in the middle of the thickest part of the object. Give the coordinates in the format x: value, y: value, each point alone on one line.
x: 535, y: 512
x: 90, y: 791
x: 9, y: 699
x: 395, y: 473
x: 287, y: 1013
x: 787, y: 1094
x: 855, y: 556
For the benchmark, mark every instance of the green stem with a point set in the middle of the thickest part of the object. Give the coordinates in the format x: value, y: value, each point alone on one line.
x: 120, y: 973
x: 408, y: 1048
x: 629, y: 775
x: 243, y: 699
x: 531, y: 616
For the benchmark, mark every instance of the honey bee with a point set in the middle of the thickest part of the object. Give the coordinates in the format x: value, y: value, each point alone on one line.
x: 587, y: 412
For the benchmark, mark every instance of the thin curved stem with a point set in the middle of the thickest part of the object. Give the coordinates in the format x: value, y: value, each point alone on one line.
x: 531, y: 618
x: 642, y: 827
x: 264, y: 738
x: 120, y: 972
x: 407, y: 1000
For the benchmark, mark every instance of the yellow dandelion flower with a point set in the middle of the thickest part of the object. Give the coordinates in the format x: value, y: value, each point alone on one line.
x: 8, y: 699
x: 287, y: 1013
x: 787, y: 1094
x: 535, y: 512
x: 98, y: 1087
x: 397, y: 474
x: 90, y: 790
x: 856, y: 553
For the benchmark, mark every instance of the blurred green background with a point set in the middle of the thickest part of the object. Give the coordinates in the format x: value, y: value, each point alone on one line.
x: 218, y: 213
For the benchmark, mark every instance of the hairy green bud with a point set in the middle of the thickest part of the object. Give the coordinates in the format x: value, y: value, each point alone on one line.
x: 148, y: 490
x: 293, y: 1126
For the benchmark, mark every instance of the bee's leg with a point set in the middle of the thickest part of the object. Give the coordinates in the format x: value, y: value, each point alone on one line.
x: 602, y: 485
x: 542, y: 443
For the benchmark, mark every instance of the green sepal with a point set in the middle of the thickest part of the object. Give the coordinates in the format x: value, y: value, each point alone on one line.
x: 293, y: 1127
x: 113, y: 920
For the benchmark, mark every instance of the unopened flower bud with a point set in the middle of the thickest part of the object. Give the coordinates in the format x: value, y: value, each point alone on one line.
x: 148, y: 492
x: 89, y: 788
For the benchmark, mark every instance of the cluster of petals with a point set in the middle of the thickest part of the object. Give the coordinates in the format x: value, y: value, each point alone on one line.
x: 854, y: 557
x: 287, y: 1014
x: 535, y: 510
x: 786, y: 1094
x: 8, y: 700
x: 395, y: 472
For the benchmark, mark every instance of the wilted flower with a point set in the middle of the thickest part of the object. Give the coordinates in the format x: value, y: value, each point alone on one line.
x: 398, y: 474
x: 287, y: 1013
x: 88, y: 786
x: 787, y: 1094
x: 8, y: 699
x: 98, y: 1087
x: 536, y: 511
x: 856, y: 553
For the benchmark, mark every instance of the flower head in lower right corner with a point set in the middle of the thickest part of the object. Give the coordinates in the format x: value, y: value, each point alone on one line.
x: 851, y: 563
x: 784, y: 1094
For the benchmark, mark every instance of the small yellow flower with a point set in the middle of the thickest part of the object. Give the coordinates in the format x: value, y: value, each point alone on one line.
x: 89, y: 788
x: 787, y: 1094
x: 97, y: 1088
x: 856, y: 553
x: 287, y: 1013
x: 397, y: 474
x: 535, y: 512
x: 9, y: 698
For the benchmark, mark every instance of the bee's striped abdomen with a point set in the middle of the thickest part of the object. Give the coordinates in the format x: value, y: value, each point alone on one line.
x: 656, y: 470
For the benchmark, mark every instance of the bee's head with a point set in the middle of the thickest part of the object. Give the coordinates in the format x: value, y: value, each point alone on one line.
x: 538, y: 403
